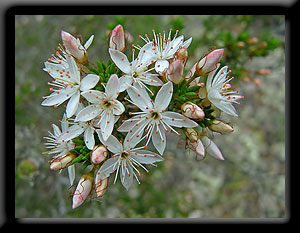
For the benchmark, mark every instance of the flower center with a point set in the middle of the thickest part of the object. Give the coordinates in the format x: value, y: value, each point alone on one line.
x: 155, y: 115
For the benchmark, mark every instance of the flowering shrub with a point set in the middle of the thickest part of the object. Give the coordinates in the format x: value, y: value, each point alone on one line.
x: 115, y: 111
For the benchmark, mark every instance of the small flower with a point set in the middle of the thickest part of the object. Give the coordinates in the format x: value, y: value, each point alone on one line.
x: 154, y: 120
x: 125, y: 159
x: 135, y: 72
x: 174, y: 73
x: 192, y: 111
x: 164, y: 48
x: 74, y: 47
x: 218, y: 92
x: 60, y: 148
x: 67, y: 79
x: 98, y: 154
x: 82, y: 191
x: 209, y: 62
x: 220, y: 127
x: 104, y: 106
x: 117, y: 38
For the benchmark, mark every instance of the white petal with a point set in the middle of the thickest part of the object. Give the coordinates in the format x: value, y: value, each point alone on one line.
x: 187, y: 43
x: 128, y: 125
x: 89, y: 138
x: 89, y: 81
x: 164, y: 96
x: 71, y: 132
x: 145, y: 156
x: 140, y: 97
x: 108, y: 167
x: 89, y: 42
x: 212, y: 148
x: 88, y: 113
x: 64, y: 123
x: 118, y: 107
x: 112, y: 143
x: 210, y: 78
x: 56, y: 130
x: 158, y: 142
x: 126, y: 175
x: 178, y: 120
x: 125, y: 82
x: 112, y: 87
x: 71, y: 172
x: 150, y: 79
x: 161, y: 65
x: 74, y: 72
x: 93, y: 96
x: 120, y: 59
x: 72, y: 104
x: 57, y: 99
x: 107, y: 125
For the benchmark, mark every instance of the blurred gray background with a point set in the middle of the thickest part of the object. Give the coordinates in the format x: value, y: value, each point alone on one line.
x: 249, y: 183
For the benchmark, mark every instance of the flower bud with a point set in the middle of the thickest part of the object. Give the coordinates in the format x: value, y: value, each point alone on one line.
x: 263, y: 71
x: 117, y: 38
x: 197, y: 147
x: 174, y: 72
x: 252, y: 40
x: 209, y: 62
x: 191, y: 134
x: 220, y: 127
x: 181, y: 54
x: 100, y: 185
x: 62, y: 161
x: 240, y: 44
x: 263, y: 45
x: 83, y: 189
x: 98, y: 154
x: 192, y: 111
x: 74, y: 47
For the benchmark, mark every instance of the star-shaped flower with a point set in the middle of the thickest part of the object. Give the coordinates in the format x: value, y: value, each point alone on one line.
x: 136, y: 71
x: 154, y: 120
x: 164, y: 48
x: 104, y: 106
x: 125, y: 159
x: 66, y: 75
x: 218, y: 92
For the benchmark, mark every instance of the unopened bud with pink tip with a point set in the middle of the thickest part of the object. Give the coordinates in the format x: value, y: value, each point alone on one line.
x: 181, y: 54
x: 62, y: 161
x: 220, y: 127
x: 100, y: 185
x: 98, y: 154
x: 117, y: 38
x: 197, y: 147
x: 174, y: 72
x: 75, y: 48
x: 209, y: 62
x: 83, y: 189
x: 192, y: 111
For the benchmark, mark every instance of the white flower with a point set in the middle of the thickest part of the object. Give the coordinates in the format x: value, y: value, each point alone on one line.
x: 125, y: 159
x: 60, y: 148
x: 164, y: 48
x: 153, y: 119
x: 104, y: 106
x: 67, y: 79
x: 136, y: 71
x: 218, y: 92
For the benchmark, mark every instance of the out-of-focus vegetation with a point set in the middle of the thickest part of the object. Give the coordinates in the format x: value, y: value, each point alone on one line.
x: 250, y: 183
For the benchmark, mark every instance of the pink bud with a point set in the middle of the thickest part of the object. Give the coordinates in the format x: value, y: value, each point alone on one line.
x: 62, y: 161
x: 209, y: 62
x: 83, y: 189
x: 74, y: 47
x: 197, y: 147
x: 98, y: 154
x: 192, y: 111
x: 174, y: 72
x: 263, y: 71
x: 100, y: 185
x: 117, y: 38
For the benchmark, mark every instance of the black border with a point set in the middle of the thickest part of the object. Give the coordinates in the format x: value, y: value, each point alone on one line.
x: 9, y: 19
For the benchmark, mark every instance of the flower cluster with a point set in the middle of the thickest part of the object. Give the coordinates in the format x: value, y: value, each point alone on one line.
x: 118, y: 116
